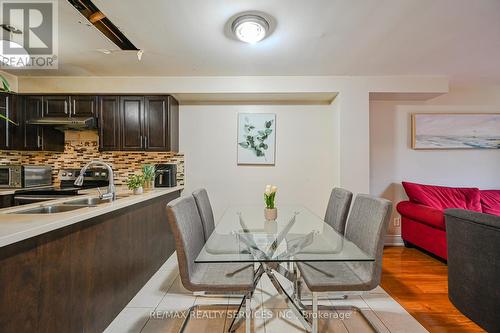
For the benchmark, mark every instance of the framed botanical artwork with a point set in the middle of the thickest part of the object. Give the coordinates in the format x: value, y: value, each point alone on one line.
x: 455, y: 130
x: 256, y: 138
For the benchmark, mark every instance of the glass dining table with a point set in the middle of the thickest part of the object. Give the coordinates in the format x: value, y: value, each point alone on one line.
x: 243, y: 235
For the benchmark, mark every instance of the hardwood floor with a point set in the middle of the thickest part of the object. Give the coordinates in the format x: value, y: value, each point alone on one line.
x: 419, y: 283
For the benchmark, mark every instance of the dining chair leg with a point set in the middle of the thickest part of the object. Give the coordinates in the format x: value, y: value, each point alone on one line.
x: 315, y: 312
x: 297, y: 284
x: 248, y: 314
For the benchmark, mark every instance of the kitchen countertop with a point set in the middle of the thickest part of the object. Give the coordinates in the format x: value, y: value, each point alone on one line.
x: 18, y: 227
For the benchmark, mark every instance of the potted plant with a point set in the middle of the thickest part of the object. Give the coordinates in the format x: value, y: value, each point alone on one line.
x: 149, y: 172
x: 136, y: 183
x: 270, y: 212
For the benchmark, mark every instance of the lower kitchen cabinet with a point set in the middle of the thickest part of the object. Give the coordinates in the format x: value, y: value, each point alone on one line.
x: 6, y: 200
x: 80, y: 277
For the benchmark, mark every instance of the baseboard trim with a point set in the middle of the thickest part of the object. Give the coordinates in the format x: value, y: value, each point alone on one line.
x: 393, y: 240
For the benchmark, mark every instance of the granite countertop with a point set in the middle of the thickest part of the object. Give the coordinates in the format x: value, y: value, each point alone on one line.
x: 18, y: 227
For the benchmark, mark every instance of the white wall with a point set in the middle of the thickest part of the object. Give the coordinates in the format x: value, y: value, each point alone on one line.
x: 352, y: 105
x: 306, y: 158
x: 392, y: 159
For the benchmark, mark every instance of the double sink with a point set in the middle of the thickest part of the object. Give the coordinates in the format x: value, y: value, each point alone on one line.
x: 67, y: 206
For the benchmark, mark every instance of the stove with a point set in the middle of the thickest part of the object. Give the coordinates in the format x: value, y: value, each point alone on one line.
x: 94, y: 177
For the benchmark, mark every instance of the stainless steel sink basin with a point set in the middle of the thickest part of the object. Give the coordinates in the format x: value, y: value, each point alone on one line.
x: 48, y: 209
x: 86, y: 202
x: 94, y: 201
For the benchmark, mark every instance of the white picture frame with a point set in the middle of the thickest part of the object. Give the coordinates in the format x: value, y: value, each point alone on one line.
x: 256, y: 143
x: 455, y: 131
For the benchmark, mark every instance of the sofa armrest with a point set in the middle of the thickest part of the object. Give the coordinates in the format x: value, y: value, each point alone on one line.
x: 425, y: 214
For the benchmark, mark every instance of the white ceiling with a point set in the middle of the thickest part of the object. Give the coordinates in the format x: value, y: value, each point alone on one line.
x: 459, y: 38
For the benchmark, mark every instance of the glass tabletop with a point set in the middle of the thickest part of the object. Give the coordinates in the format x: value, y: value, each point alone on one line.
x: 243, y: 235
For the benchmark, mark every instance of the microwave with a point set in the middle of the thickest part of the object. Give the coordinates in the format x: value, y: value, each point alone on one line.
x: 25, y: 176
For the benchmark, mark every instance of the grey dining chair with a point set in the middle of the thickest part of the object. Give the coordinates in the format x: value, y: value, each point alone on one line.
x: 338, y: 209
x: 205, y: 211
x: 366, y: 227
x: 186, y: 226
x: 335, y: 216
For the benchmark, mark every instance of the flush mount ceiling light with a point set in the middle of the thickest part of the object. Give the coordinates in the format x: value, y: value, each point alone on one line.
x: 250, y: 28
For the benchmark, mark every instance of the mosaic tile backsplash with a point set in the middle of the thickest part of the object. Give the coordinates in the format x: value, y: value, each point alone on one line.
x: 82, y: 147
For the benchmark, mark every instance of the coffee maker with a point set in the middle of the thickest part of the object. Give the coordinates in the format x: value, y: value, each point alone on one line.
x: 166, y: 175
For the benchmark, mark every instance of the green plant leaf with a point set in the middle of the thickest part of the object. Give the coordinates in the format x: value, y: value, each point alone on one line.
x: 5, y: 84
x: 8, y: 120
x: 135, y: 181
x: 149, y: 172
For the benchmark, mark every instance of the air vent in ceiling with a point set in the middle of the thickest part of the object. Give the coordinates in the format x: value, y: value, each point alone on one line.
x: 104, y: 24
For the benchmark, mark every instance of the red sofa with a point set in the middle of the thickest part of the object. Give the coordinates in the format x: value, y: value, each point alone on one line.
x: 422, y: 217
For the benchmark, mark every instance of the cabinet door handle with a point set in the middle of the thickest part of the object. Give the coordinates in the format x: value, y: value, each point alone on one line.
x: 145, y: 141
x: 38, y: 141
x: 141, y: 141
x: 74, y: 107
x: 65, y: 106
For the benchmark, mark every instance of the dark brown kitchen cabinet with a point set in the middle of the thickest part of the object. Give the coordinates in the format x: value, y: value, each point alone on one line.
x: 161, y: 123
x: 145, y: 123
x: 7, y: 129
x: 109, y: 122
x: 36, y: 137
x: 6, y: 200
x: 32, y: 134
x: 132, y: 122
x: 56, y: 106
x: 83, y: 106
x: 156, y: 123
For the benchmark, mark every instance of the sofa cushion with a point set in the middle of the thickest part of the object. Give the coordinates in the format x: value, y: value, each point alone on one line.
x: 490, y: 201
x: 427, y: 215
x: 442, y: 197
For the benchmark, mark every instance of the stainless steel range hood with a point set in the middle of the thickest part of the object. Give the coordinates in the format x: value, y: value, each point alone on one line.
x: 65, y: 122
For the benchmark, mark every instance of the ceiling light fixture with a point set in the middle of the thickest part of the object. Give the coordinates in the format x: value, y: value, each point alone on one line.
x: 250, y: 28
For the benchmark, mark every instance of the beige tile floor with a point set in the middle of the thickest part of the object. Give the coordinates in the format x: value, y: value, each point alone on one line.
x: 160, y: 305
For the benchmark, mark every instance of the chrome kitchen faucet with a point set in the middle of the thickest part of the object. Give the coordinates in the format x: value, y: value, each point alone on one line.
x: 111, y: 194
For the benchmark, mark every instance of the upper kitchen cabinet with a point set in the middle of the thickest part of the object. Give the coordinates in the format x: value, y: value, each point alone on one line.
x: 69, y: 106
x: 138, y: 123
x: 161, y: 123
x: 108, y: 115
x: 132, y: 122
x: 83, y: 106
x: 36, y: 137
x: 56, y: 106
x: 8, y: 110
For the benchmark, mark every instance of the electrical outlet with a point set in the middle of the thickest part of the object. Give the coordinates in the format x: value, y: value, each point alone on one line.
x: 397, y: 221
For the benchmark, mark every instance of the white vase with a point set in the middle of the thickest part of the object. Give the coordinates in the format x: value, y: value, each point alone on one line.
x: 271, y: 214
x: 138, y: 190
